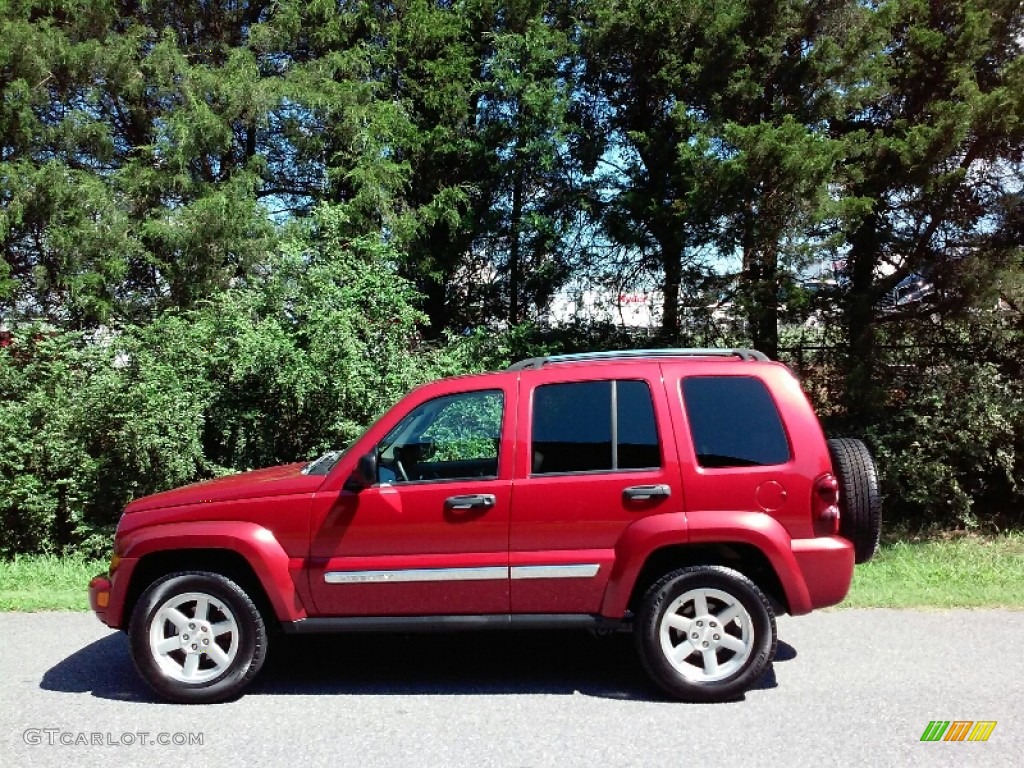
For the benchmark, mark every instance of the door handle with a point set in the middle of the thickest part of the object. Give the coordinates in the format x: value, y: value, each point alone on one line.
x: 470, y: 501
x: 647, y: 492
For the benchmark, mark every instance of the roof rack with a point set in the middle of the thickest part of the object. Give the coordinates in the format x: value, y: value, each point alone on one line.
x: 533, y: 363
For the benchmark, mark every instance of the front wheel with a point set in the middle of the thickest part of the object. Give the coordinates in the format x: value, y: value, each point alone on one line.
x: 705, y: 633
x: 197, y: 637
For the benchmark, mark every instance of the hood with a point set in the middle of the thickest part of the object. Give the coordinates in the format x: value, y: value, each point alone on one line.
x: 259, y: 483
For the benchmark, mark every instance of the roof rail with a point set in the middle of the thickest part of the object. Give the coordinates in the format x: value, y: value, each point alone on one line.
x: 533, y: 363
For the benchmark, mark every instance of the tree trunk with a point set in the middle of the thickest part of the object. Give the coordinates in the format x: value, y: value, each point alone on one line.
x: 862, y: 396
x: 764, y: 316
x: 513, y: 254
x: 672, y: 264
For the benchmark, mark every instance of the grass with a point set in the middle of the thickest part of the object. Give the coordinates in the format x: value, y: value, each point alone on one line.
x: 946, y: 571
x: 942, y: 571
x: 47, y: 583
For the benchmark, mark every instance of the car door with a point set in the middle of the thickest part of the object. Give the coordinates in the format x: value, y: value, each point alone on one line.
x: 430, y: 536
x: 595, y: 454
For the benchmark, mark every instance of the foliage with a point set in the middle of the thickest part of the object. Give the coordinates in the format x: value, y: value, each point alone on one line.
x: 47, y: 582
x: 82, y: 437
x: 234, y: 232
x: 299, y: 359
x: 932, y: 138
x: 947, y: 465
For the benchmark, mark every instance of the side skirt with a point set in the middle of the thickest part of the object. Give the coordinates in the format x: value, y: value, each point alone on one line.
x: 334, y: 624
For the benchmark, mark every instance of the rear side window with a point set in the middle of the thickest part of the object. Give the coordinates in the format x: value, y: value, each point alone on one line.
x: 636, y: 431
x: 734, y: 422
x: 594, y: 426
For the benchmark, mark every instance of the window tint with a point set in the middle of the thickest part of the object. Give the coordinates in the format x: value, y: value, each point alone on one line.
x: 572, y: 427
x: 448, y: 438
x: 637, y: 431
x: 734, y: 422
x: 574, y: 424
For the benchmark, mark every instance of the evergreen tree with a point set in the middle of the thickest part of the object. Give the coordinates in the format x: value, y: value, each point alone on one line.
x: 933, y: 138
x: 655, y: 196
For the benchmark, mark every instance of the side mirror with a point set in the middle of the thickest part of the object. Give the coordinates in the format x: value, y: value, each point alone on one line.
x: 365, y: 473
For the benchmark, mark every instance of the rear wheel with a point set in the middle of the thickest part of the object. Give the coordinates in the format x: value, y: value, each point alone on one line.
x: 197, y: 637
x: 860, y: 499
x: 705, y: 633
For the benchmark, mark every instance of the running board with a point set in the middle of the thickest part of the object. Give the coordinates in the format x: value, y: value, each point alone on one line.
x: 333, y: 624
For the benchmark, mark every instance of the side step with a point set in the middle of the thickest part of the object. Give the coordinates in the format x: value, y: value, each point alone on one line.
x: 333, y: 624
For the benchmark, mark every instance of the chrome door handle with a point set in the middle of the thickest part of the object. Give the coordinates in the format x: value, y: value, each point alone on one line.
x: 470, y: 501
x: 647, y: 492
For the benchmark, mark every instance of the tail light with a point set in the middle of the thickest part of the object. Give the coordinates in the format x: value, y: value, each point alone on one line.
x: 825, y: 505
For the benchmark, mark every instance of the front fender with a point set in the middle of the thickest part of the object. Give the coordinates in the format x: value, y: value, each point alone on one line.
x: 255, y: 543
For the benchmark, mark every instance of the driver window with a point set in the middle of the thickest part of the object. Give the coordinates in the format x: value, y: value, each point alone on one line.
x: 455, y: 437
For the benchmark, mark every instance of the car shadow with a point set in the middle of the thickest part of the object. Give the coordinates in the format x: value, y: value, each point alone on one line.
x: 469, y: 663
x: 103, y: 668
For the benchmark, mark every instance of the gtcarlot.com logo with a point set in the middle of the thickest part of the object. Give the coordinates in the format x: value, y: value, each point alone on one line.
x: 958, y: 730
x: 57, y: 737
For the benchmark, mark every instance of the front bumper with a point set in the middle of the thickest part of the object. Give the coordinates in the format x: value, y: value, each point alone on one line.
x: 108, y: 593
x: 99, y: 596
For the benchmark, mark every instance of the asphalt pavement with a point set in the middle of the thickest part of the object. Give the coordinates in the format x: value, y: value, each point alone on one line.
x: 848, y: 687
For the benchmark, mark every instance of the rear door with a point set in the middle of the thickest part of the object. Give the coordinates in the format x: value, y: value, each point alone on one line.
x: 594, y: 454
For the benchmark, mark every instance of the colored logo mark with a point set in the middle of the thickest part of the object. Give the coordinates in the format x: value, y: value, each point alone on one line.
x: 958, y: 730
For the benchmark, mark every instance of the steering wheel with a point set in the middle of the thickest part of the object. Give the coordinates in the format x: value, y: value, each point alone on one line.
x: 401, y: 469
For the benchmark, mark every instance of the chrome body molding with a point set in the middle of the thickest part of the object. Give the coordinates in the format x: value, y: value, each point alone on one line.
x: 580, y: 571
x: 486, y: 573
x: 489, y: 573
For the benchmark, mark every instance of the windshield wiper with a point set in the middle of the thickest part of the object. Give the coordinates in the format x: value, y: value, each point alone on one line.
x: 323, y: 464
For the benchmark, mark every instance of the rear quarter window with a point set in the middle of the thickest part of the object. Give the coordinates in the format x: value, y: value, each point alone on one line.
x: 734, y: 422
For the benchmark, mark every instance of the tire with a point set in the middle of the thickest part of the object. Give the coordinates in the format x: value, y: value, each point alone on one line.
x: 860, y: 500
x: 672, y: 610
x: 197, y: 637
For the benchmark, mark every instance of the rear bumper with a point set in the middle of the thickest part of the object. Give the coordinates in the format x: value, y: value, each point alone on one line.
x: 827, y: 567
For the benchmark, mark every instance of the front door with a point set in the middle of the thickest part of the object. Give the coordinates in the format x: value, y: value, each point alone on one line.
x: 431, y: 536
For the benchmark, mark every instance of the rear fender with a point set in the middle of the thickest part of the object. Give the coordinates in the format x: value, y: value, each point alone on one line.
x: 633, y: 548
x: 768, y: 535
x: 652, y: 533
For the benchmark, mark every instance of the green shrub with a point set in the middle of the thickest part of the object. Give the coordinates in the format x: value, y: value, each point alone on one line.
x: 79, y: 437
x: 949, y: 448
x: 298, y: 359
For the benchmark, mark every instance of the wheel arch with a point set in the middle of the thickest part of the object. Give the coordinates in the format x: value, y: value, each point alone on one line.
x: 752, y: 543
x: 739, y: 556
x: 225, y: 562
x: 244, y: 552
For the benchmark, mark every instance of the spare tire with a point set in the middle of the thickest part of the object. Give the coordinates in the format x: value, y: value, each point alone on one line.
x: 860, y: 501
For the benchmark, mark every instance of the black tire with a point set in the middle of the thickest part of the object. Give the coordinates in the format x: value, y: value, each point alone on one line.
x: 689, y: 685
x: 227, y: 601
x: 860, y: 500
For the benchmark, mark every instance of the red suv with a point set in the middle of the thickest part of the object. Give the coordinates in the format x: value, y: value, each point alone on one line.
x: 688, y: 495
